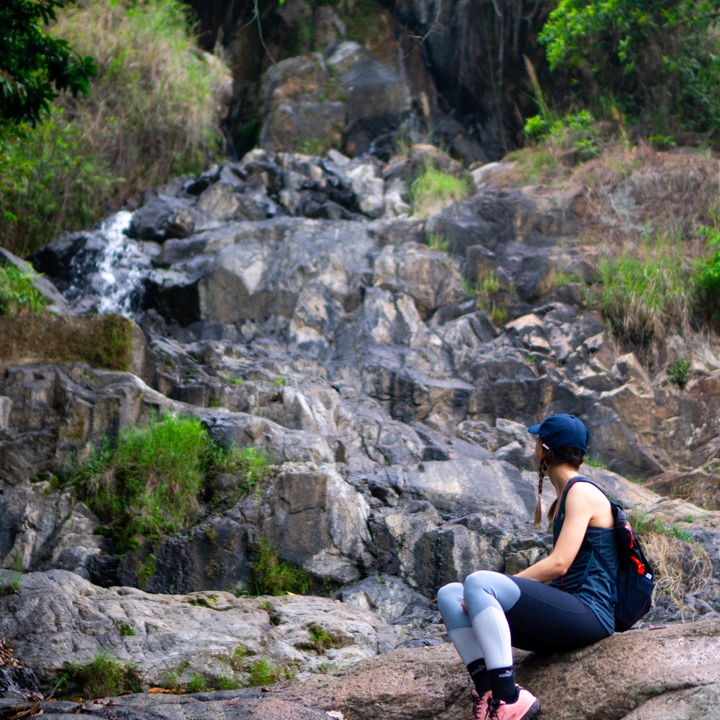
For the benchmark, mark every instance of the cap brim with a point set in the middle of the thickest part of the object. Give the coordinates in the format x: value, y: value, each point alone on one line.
x: 534, y: 428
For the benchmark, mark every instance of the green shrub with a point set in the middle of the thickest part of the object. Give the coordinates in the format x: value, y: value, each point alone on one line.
x: 227, y: 682
x: 197, y: 683
x: 434, y: 189
x: 103, y: 676
x: 50, y: 180
x: 644, y: 298
x: 658, y: 60
x: 150, y: 115
x: 149, y: 484
x: 707, y: 277
x: 678, y: 371
x: 273, y: 576
x: 17, y: 293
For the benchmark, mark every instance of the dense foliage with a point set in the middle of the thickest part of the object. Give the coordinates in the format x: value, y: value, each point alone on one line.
x: 150, y: 115
x: 34, y: 67
x: 656, y: 60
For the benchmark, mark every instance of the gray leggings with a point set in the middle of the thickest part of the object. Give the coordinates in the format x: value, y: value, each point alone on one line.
x: 505, y: 612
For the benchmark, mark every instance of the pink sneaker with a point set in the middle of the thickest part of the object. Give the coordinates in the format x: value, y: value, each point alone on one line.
x: 525, y: 707
x: 480, y: 704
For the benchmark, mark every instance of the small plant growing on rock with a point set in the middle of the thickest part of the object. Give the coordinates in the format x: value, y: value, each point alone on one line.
x: 265, y: 672
x: 10, y: 584
x: 103, y: 676
x: 273, y: 576
x: 438, y: 242
x: 678, y: 371
x: 197, y: 683
x: 434, y: 189
x: 238, y: 658
x: 320, y: 640
x: 125, y: 629
x: 18, y: 295
x: 227, y: 682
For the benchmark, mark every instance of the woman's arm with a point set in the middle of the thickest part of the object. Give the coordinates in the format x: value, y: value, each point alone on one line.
x: 582, y: 504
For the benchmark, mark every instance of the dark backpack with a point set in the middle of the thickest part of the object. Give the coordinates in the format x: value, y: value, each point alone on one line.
x: 635, y: 577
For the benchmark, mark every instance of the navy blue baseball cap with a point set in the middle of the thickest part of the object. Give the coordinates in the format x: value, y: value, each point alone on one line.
x: 560, y: 431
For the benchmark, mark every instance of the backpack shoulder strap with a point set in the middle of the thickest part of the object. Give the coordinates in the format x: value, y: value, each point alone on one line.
x: 571, y: 482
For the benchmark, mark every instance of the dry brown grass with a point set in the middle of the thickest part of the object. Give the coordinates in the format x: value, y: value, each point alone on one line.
x: 633, y: 190
x: 700, y: 487
x: 151, y: 111
x: 681, y: 567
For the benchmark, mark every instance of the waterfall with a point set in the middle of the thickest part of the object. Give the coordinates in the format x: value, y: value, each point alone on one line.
x: 117, y: 281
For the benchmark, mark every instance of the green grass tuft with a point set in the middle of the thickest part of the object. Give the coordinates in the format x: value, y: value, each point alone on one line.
x: 273, y: 576
x: 264, y: 672
x: 434, y: 189
x: 151, y: 482
x: 103, y: 676
x: 644, y: 297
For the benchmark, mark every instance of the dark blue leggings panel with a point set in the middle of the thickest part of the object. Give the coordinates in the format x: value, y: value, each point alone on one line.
x: 546, y: 619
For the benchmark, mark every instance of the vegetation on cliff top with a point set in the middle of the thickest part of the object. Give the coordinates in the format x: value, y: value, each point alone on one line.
x: 150, y: 114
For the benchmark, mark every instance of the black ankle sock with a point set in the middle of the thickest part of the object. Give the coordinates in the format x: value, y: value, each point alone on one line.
x: 479, y: 674
x: 502, y: 681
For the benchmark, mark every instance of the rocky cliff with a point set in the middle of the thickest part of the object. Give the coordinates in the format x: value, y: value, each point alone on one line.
x: 293, y: 304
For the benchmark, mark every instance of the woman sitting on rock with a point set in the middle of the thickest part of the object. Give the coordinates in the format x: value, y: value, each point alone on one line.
x: 561, y: 602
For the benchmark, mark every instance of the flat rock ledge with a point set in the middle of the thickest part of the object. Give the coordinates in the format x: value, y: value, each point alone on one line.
x: 668, y: 673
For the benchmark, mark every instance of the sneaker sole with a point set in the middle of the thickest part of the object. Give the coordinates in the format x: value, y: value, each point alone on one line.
x: 532, y: 712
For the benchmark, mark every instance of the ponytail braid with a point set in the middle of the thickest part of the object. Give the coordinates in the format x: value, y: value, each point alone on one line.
x: 542, y: 469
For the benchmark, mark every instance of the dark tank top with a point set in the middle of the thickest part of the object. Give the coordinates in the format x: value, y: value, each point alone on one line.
x: 591, y: 577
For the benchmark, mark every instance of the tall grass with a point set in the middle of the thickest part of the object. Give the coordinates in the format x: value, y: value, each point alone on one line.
x: 151, y: 114
x: 149, y: 485
x: 645, y: 296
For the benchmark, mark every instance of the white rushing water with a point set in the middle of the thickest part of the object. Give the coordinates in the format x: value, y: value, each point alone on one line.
x: 120, y: 268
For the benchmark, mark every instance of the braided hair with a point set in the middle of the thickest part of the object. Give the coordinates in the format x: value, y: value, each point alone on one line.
x: 566, y: 455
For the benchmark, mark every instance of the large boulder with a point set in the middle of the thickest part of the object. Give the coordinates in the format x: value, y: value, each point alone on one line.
x: 57, y: 616
x: 319, y: 522
x: 676, y: 678
x: 294, y: 114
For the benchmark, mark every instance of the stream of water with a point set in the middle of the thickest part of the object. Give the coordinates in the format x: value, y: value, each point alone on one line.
x: 117, y: 281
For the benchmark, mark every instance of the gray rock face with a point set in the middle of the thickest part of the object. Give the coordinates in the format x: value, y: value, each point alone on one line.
x: 320, y: 521
x: 293, y: 312
x: 57, y: 616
